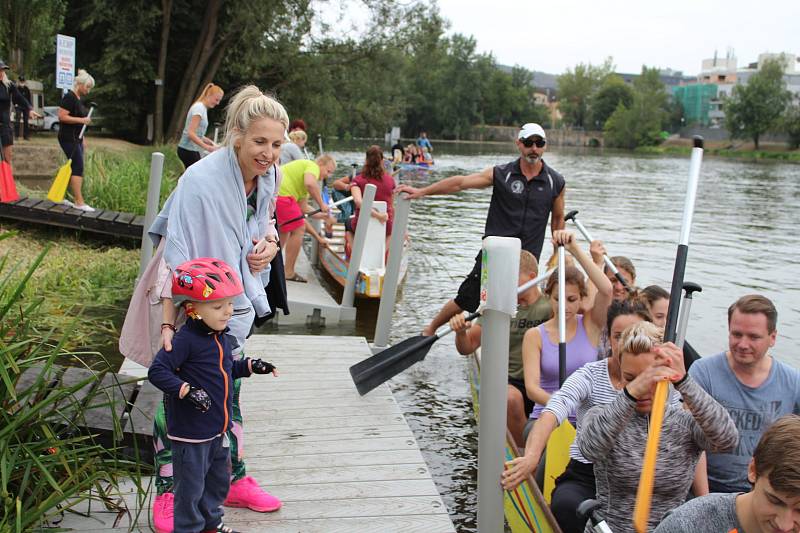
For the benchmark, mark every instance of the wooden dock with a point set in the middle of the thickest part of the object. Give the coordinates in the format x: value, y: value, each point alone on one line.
x: 340, y: 462
x: 105, y: 221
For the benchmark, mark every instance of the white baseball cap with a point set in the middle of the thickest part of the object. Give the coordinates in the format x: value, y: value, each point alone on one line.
x: 531, y: 128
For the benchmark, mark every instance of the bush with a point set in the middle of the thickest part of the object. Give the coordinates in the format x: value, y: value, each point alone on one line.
x: 48, y: 462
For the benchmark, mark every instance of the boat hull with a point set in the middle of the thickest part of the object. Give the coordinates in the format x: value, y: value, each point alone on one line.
x: 525, y: 508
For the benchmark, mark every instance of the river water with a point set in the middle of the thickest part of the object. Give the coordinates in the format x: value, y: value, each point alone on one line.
x: 743, y: 241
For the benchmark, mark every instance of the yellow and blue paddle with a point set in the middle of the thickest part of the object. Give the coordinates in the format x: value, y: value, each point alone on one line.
x: 59, y: 187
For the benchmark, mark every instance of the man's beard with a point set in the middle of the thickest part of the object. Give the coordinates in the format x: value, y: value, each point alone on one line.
x: 533, y: 158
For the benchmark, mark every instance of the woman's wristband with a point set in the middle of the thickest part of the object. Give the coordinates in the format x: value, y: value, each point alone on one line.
x: 630, y: 396
x: 167, y: 325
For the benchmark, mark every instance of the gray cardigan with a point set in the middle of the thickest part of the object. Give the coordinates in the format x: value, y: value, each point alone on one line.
x: 614, y: 438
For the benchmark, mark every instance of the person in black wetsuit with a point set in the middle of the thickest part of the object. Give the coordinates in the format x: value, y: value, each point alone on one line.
x: 525, y: 192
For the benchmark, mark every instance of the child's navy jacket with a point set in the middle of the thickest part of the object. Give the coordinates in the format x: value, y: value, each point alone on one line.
x: 202, y: 358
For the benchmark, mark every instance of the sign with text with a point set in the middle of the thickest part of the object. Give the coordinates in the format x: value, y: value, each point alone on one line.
x: 65, y: 61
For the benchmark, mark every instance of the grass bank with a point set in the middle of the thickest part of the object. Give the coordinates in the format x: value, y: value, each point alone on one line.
x: 791, y: 156
x: 85, y: 287
x: 49, y: 461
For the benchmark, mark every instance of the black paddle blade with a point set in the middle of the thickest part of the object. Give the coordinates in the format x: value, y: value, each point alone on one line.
x: 384, y: 365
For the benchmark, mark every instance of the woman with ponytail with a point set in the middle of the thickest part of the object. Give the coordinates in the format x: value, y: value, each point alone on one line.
x: 223, y: 207
x: 193, y: 139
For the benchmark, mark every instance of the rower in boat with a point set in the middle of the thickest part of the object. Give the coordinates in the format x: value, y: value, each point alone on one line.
x: 533, y: 309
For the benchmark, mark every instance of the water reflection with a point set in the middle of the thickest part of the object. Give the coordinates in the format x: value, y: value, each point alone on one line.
x: 743, y: 240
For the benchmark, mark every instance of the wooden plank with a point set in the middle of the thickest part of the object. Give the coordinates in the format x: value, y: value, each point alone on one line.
x: 138, y: 221
x: 343, y: 508
x: 268, y: 436
x: 108, y: 215
x: 280, y: 476
x: 125, y: 218
x: 28, y: 202
x: 332, y: 447
x: 59, y: 208
x: 388, y: 410
x: 44, y: 205
x: 340, y: 460
x: 293, y: 492
x: 320, y: 421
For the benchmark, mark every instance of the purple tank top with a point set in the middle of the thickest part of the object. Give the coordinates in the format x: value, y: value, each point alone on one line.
x: 579, y: 352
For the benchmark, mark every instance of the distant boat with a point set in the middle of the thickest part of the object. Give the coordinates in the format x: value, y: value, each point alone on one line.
x: 423, y: 165
x: 369, y: 283
x: 525, y: 508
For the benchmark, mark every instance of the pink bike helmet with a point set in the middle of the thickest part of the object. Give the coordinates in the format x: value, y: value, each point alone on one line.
x: 204, y: 280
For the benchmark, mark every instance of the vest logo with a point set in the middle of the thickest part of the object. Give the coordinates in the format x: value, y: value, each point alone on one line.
x: 517, y: 186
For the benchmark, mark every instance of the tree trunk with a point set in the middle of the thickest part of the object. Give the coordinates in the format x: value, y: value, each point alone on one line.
x: 194, y: 69
x: 755, y: 140
x: 166, y: 14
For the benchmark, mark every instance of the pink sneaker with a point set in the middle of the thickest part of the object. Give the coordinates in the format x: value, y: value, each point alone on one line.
x: 163, y: 513
x: 247, y: 493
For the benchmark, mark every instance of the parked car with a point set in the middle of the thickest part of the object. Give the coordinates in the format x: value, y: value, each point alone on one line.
x: 51, y: 118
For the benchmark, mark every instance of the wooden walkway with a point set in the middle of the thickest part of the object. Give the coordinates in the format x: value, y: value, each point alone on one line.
x: 38, y: 211
x: 340, y: 462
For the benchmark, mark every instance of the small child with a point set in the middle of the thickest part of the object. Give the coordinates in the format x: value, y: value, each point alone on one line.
x: 197, y: 378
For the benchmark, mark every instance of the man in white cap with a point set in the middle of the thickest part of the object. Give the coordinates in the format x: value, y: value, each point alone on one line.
x: 525, y: 192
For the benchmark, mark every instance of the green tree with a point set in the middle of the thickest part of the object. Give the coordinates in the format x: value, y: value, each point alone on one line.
x: 641, y: 123
x: 612, y: 92
x: 576, y: 89
x: 756, y: 108
x: 791, y: 124
x: 28, y: 31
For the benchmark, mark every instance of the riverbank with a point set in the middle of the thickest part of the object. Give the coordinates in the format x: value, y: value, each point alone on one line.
x: 730, y: 149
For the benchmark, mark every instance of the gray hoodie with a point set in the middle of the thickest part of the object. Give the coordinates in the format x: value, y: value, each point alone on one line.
x: 614, y: 438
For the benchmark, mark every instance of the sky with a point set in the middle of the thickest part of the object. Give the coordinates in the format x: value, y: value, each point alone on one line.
x: 677, y: 34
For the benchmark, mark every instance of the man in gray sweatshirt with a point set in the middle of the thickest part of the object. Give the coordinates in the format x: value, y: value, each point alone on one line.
x: 773, y: 504
x: 614, y: 435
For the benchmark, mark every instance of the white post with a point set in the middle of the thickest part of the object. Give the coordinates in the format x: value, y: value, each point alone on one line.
x: 153, y: 193
x: 319, y: 142
x: 315, y: 223
x: 499, y: 275
x: 392, y: 276
x: 349, y: 296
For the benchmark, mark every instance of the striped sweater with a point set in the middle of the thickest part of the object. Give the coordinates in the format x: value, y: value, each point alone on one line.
x: 614, y: 438
x: 587, y: 387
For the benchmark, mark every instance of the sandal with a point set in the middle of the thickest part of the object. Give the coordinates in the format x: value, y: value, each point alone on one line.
x: 298, y: 278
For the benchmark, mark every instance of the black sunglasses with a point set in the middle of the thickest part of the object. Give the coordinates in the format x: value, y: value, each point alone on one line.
x: 527, y: 143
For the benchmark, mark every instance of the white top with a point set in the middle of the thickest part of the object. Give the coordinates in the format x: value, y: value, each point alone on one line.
x: 198, y: 108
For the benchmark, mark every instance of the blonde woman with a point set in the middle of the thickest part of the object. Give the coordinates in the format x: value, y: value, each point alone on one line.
x: 614, y: 435
x: 223, y: 207
x: 72, y: 116
x: 193, y: 139
x: 295, y: 149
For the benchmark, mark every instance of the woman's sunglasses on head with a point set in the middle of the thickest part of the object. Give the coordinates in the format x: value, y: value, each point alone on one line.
x: 527, y: 143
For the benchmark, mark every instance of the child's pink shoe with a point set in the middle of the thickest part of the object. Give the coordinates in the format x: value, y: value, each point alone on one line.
x: 247, y: 493
x: 163, y: 513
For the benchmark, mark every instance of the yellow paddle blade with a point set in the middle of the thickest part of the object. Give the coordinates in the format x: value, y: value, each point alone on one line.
x: 59, y: 187
x: 644, y: 494
x: 557, y: 456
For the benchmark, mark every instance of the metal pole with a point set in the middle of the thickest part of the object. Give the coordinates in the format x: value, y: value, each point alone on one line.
x: 501, y: 262
x: 686, y: 306
x: 319, y: 142
x: 153, y: 193
x: 562, y: 318
x: 349, y: 296
x: 392, y: 276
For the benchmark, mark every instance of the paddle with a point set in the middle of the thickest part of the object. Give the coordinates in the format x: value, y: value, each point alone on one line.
x: 59, y: 187
x: 644, y: 493
x: 387, y: 363
x: 315, y: 211
x: 562, y: 319
x: 8, y: 189
x: 572, y: 215
x: 690, y: 355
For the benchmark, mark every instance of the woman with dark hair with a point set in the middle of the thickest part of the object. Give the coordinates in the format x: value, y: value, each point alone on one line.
x: 657, y: 301
x: 9, y: 92
x: 374, y: 173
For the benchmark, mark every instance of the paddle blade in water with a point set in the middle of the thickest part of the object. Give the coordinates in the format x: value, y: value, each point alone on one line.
x: 644, y: 494
x: 384, y: 365
x: 8, y: 189
x: 59, y: 187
